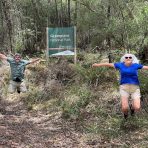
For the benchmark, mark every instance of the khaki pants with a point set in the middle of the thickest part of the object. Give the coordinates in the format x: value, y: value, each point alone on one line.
x: 19, y: 86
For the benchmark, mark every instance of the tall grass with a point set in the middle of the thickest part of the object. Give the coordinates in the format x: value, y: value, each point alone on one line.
x: 75, y: 101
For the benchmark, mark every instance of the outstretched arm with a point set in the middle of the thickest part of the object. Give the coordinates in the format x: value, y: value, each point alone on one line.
x: 33, y: 61
x: 3, y: 57
x: 145, y: 67
x: 103, y: 64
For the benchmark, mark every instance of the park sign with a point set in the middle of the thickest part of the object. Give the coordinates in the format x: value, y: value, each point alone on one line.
x: 60, y: 40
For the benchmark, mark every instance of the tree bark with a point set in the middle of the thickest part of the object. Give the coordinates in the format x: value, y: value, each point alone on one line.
x: 61, y: 14
x: 108, y: 17
x: 57, y: 15
x: 69, y: 14
x: 6, y: 10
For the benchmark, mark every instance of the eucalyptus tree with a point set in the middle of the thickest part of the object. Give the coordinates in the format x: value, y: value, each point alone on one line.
x: 108, y: 24
x: 114, y: 23
x: 6, y: 22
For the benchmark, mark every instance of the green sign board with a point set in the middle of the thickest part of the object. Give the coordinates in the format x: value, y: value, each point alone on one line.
x: 60, y: 39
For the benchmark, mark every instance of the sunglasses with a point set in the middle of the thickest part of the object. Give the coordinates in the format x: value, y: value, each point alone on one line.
x: 128, y: 57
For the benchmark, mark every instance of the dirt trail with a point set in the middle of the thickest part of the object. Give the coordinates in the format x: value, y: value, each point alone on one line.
x: 22, y: 129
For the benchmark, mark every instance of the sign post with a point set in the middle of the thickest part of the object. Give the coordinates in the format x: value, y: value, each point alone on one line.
x: 61, y: 41
x: 47, y: 55
x: 75, y: 51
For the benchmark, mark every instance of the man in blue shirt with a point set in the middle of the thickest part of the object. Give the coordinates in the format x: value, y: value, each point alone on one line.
x: 17, y: 66
x: 129, y: 83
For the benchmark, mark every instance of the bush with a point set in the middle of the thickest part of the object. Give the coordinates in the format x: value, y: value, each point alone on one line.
x: 76, y: 100
x: 144, y: 82
x: 95, y: 76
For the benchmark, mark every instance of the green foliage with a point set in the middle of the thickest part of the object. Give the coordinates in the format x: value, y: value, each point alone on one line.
x: 34, y: 96
x: 144, y: 82
x: 100, y: 112
x: 96, y: 75
x: 105, y: 23
x: 72, y: 108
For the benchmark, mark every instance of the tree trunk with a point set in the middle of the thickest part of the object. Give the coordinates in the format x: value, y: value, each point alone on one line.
x: 57, y: 15
x: 6, y: 10
x: 69, y: 14
x: 1, y: 26
x: 75, y: 13
x: 108, y: 39
x: 61, y: 14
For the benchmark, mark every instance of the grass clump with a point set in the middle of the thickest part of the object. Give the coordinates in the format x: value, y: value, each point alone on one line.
x: 144, y: 82
x: 95, y: 76
x: 75, y: 101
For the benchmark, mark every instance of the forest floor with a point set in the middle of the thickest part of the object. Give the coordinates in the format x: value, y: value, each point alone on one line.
x: 21, y: 127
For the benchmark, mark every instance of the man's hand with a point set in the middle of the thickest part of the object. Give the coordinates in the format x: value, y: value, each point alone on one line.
x: 3, y: 57
x: 35, y: 60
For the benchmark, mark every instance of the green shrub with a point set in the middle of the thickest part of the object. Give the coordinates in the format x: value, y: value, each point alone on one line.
x: 144, y: 82
x: 77, y: 99
x: 96, y: 75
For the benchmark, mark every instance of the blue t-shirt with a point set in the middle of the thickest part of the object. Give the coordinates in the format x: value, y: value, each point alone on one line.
x: 17, y: 69
x: 128, y: 74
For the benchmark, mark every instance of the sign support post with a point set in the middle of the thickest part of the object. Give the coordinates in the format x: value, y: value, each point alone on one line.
x: 75, y: 47
x: 47, y: 43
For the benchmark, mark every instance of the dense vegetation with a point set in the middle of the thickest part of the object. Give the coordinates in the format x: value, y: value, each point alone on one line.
x: 109, y: 24
x: 81, y: 103
x: 78, y: 102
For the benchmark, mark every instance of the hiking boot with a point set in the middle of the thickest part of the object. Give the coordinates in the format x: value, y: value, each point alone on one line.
x: 132, y: 111
x: 125, y: 116
x: 18, y: 91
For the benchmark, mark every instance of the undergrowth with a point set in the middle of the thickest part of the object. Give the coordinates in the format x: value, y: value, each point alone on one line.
x: 87, y: 97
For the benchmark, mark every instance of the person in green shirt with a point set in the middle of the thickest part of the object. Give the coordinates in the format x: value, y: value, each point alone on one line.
x: 17, y: 66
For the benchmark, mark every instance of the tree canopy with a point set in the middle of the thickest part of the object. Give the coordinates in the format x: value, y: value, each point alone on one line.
x: 103, y: 23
